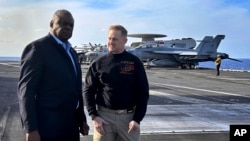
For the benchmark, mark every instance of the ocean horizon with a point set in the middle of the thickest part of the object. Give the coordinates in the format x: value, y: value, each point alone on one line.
x: 7, y: 58
x: 226, y: 64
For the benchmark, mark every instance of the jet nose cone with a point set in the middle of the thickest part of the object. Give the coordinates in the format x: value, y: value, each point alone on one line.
x: 87, y: 53
x: 226, y: 55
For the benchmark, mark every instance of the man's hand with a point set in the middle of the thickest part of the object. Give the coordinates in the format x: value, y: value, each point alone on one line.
x: 33, y: 136
x: 133, y: 127
x: 98, y: 124
x: 84, y: 130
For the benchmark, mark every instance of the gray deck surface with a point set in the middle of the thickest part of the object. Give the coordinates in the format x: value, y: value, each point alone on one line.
x: 184, y: 105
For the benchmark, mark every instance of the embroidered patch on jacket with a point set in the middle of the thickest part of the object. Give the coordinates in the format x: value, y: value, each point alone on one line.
x: 127, y: 67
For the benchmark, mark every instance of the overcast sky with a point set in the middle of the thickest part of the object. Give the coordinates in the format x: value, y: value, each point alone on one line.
x: 22, y: 21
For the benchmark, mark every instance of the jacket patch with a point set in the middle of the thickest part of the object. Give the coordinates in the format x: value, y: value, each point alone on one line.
x: 127, y: 67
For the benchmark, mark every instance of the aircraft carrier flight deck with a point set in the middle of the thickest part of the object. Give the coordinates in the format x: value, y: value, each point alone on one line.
x: 184, y: 104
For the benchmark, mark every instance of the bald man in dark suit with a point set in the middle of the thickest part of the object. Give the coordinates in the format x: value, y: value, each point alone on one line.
x: 50, y: 85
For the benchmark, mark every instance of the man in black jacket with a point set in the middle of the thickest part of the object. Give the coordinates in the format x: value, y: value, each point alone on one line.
x: 50, y: 85
x: 116, y: 91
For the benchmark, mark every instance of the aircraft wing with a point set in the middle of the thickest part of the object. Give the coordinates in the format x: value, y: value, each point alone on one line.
x: 167, y: 52
x: 182, y: 53
x: 189, y: 53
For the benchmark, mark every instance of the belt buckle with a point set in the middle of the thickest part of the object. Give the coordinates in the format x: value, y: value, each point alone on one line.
x: 120, y: 111
x: 130, y: 110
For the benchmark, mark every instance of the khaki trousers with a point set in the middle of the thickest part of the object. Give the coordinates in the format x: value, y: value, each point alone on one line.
x: 117, y: 129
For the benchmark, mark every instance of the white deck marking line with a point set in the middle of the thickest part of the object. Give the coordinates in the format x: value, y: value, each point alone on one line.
x: 222, y: 77
x: 236, y: 79
x: 7, y: 64
x: 204, y: 90
x: 3, y: 122
x: 182, y: 98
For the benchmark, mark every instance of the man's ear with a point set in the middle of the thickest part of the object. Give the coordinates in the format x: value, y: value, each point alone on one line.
x: 125, y: 40
x: 51, y: 23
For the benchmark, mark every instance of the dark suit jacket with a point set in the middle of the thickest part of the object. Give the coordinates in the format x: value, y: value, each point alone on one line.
x: 49, y: 89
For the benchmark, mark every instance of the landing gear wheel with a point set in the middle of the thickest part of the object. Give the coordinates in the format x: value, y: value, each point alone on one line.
x: 183, y: 66
x: 191, y: 66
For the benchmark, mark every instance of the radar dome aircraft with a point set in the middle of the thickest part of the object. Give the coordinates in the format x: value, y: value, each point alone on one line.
x: 150, y: 39
x: 185, y: 57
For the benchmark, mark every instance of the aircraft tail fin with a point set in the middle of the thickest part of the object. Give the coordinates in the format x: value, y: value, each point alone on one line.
x: 209, y: 45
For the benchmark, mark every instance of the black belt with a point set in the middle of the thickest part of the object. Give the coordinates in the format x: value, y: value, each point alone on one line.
x: 124, y: 111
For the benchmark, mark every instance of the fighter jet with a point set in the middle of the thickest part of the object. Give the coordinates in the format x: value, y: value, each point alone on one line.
x: 99, y: 50
x: 161, y: 55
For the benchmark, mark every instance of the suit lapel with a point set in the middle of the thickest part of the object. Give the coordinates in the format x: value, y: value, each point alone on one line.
x: 75, y: 58
x: 69, y: 61
x: 62, y: 51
